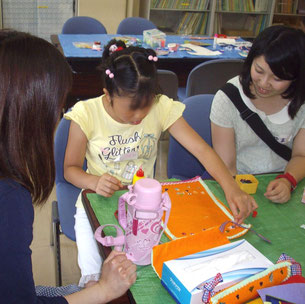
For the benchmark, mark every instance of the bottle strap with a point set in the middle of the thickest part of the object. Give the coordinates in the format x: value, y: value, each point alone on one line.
x: 108, y: 241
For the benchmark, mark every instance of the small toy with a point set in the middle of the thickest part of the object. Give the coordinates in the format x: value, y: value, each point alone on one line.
x: 247, y: 183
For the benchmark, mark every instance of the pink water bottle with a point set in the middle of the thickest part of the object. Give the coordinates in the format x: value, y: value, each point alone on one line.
x: 142, y: 221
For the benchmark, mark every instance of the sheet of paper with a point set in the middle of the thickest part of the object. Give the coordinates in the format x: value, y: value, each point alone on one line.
x: 226, y: 41
x: 294, y: 292
x: 199, y: 50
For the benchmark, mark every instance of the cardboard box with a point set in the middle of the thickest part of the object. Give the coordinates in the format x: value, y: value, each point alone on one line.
x: 235, y: 261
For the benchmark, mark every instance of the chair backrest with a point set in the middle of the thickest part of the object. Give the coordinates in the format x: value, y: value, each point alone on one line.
x: 83, y: 25
x: 134, y: 26
x: 66, y: 193
x: 181, y: 163
x: 208, y: 77
x: 168, y: 82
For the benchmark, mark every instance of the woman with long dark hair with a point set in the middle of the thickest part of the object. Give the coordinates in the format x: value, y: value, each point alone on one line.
x: 34, y: 82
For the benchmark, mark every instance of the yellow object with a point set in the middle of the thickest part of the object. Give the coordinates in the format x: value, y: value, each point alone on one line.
x: 250, y: 182
x: 139, y: 174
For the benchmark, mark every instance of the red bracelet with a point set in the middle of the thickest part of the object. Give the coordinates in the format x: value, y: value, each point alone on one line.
x: 290, y: 178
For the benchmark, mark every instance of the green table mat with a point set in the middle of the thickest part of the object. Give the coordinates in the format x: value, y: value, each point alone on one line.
x: 280, y: 223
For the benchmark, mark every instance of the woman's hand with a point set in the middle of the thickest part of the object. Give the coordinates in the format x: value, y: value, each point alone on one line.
x: 118, y: 274
x: 107, y: 184
x: 241, y: 204
x: 278, y: 191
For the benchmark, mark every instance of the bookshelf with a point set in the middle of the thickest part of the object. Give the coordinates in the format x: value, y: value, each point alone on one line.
x: 182, y: 17
x: 245, y: 18
x: 289, y: 12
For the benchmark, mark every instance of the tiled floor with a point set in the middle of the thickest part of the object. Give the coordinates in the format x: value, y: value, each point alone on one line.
x: 43, y: 257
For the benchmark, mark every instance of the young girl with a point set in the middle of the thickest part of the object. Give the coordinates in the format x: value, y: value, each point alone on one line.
x: 34, y: 82
x: 272, y: 84
x: 118, y: 132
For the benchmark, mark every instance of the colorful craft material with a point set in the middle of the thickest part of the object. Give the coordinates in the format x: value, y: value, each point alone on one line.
x: 203, y: 240
x: 195, y: 209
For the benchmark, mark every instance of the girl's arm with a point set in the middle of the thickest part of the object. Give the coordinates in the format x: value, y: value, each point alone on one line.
x: 223, y: 140
x: 241, y: 204
x: 105, y: 185
x: 278, y: 190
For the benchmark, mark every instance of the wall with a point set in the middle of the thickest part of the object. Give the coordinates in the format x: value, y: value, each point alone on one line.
x: 109, y: 12
x: 0, y: 14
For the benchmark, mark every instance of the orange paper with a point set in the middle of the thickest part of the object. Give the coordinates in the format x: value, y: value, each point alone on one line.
x: 187, y: 245
x: 195, y: 209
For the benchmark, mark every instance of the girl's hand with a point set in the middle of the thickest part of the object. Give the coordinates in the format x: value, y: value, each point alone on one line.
x: 107, y: 185
x: 118, y: 274
x: 241, y: 204
x: 278, y: 191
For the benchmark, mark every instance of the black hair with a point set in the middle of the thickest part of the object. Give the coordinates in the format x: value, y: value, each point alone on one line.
x: 35, y: 79
x: 283, y: 49
x: 134, y: 75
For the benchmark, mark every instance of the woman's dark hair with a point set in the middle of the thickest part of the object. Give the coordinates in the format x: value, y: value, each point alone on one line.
x: 34, y: 82
x: 283, y: 49
x: 134, y: 75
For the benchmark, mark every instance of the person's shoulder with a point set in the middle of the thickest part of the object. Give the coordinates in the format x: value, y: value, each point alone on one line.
x: 165, y: 101
x: 9, y: 187
x: 301, y: 113
x: 85, y: 109
x: 14, y: 197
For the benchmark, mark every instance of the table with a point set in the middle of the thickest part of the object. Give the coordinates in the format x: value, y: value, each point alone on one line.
x: 87, y: 82
x: 280, y: 223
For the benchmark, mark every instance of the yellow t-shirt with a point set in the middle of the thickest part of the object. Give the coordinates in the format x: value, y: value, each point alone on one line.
x: 120, y: 149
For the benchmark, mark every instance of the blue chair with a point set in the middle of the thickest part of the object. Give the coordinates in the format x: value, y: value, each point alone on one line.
x: 134, y: 26
x: 208, y: 77
x: 181, y: 163
x: 63, y: 210
x: 168, y: 83
x: 83, y: 25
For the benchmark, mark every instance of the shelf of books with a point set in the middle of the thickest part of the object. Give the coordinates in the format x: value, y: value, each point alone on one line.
x: 289, y: 12
x: 182, y: 17
x: 245, y: 18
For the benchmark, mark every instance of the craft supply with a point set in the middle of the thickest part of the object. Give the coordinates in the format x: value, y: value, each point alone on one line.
x: 83, y: 45
x: 173, y: 47
x: 96, y: 46
x: 215, y: 41
x: 154, y: 38
x: 197, y: 43
x: 139, y: 174
x: 247, y: 182
x: 199, y: 50
x: 190, y: 216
